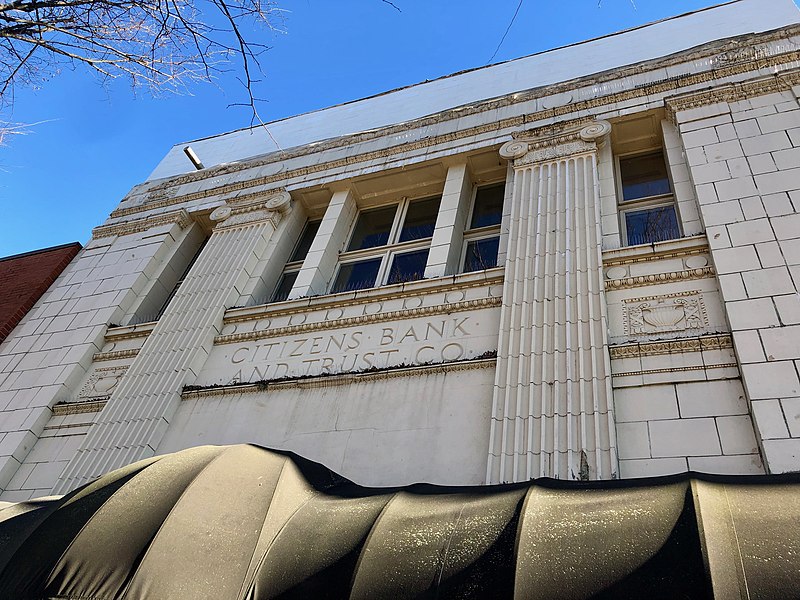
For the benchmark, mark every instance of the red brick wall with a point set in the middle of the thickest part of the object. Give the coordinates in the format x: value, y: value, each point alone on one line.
x: 25, y: 277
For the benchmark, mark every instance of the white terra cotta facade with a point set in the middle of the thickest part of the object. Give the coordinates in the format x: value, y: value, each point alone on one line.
x: 591, y: 275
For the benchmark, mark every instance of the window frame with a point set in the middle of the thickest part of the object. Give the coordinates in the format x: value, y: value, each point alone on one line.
x: 180, y: 281
x: 388, y: 251
x: 480, y: 233
x: 647, y: 202
x: 293, y: 266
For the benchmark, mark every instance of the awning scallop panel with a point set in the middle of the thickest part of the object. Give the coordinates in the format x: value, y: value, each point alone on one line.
x: 247, y: 523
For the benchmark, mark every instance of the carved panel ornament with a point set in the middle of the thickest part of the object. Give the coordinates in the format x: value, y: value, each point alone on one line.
x: 671, y: 312
x: 101, y: 383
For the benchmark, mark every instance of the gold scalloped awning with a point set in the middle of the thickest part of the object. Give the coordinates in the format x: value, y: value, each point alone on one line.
x: 243, y: 522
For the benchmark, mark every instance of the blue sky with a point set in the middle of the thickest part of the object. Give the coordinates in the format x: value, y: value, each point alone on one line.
x: 91, y: 143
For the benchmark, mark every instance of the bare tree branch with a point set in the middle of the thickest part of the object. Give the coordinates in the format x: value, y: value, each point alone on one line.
x: 156, y: 44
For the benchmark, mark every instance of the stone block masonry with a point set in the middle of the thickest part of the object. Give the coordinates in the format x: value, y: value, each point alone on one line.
x: 752, y: 211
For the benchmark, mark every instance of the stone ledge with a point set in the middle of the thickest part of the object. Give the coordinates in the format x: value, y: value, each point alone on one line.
x: 677, y: 346
x: 78, y: 408
x: 337, y: 379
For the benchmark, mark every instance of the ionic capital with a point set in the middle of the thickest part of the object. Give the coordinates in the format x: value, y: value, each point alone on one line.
x: 555, y: 142
x: 271, y: 210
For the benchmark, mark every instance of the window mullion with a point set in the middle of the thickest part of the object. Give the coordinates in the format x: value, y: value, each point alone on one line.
x: 397, y: 224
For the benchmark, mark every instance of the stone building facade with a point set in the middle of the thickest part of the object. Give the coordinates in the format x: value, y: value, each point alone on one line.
x: 582, y: 264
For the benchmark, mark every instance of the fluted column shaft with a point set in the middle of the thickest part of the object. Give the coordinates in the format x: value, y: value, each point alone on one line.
x: 138, y: 413
x: 552, y: 404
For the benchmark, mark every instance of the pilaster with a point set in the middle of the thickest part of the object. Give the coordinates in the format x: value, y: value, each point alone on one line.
x: 446, y: 243
x: 552, y: 404
x: 138, y: 413
x: 322, y: 257
x: 46, y: 356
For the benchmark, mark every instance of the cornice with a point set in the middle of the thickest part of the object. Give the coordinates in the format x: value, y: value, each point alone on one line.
x: 676, y: 346
x: 393, y: 315
x: 390, y: 292
x: 129, y: 332
x: 727, y: 54
x: 732, y: 92
x: 679, y: 248
x: 115, y: 355
x: 78, y: 408
x: 321, y: 381
x: 179, y: 217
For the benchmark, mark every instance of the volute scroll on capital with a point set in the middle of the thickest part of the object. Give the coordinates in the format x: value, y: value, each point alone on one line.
x: 596, y: 132
x: 280, y: 202
x: 221, y: 213
x: 271, y: 209
x: 552, y: 143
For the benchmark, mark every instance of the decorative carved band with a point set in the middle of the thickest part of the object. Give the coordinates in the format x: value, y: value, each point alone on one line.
x: 410, y: 290
x: 394, y: 315
x: 115, y: 355
x: 340, y: 379
x: 732, y: 92
x: 678, y: 346
x: 180, y: 217
x: 163, y: 193
x: 78, y: 408
x: 641, y: 280
x: 676, y: 370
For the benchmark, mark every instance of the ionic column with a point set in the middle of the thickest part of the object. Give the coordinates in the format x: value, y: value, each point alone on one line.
x: 138, y: 413
x: 552, y: 405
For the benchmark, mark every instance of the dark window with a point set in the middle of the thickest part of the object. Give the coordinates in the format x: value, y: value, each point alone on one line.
x: 376, y: 237
x: 420, y: 219
x: 481, y: 254
x: 409, y: 266
x: 357, y: 275
x: 306, y: 239
x: 648, y: 210
x: 644, y: 176
x: 372, y: 228
x: 482, y: 239
x: 284, y: 286
x: 488, y: 208
x: 180, y: 281
x: 650, y: 225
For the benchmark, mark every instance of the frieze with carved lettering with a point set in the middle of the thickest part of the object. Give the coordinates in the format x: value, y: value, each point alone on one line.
x: 417, y: 341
